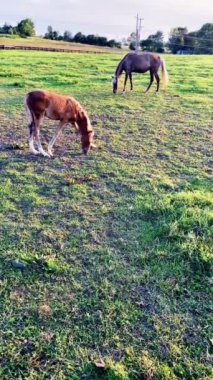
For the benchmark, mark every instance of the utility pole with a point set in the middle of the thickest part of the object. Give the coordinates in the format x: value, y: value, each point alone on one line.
x: 138, y: 31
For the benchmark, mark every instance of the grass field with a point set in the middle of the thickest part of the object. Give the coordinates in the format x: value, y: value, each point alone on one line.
x: 114, y: 249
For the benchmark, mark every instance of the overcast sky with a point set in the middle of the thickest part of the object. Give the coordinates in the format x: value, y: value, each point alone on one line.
x: 111, y: 18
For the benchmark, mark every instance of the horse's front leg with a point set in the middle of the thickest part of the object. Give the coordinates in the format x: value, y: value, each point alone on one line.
x: 131, y: 84
x: 57, y: 133
x: 125, y: 80
x: 76, y: 127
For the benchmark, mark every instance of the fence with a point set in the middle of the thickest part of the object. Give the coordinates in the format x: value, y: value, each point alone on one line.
x: 59, y: 50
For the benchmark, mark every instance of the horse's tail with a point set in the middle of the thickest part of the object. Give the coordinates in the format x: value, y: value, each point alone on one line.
x: 165, y: 77
x: 30, y: 114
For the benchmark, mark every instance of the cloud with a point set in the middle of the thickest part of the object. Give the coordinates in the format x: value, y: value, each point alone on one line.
x: 113, y: 18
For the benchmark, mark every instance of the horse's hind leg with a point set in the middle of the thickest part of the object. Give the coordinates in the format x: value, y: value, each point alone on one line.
x: 38, y: 120
x: 31, y: 127
x: 158, y: 81
x: 151, y: 81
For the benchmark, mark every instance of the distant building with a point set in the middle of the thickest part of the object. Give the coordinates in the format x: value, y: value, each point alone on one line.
x: 184, y: 52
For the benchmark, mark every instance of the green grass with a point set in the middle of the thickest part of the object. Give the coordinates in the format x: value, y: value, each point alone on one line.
x: 114, y: 248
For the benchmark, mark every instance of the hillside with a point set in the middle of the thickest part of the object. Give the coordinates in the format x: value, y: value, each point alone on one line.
x: 41, y: 42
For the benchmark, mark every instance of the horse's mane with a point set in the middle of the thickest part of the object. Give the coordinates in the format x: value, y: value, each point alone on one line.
x: 82, y: 117
x: 117, y: 73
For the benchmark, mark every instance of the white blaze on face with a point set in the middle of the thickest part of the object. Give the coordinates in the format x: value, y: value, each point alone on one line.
x: 114, y: 79
x: 89, y: 128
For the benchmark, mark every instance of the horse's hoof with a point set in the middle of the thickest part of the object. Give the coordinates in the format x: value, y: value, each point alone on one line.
x: 45, y: 154
x: 123, y: 93
x: 36, y: 152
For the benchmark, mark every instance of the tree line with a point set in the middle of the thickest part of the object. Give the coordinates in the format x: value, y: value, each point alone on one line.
x: 79, y: 37
x: 180, y: 40
x: 26, y: 28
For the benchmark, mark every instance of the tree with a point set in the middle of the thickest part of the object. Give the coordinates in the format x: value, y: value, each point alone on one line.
x: 26, y: 28
x: 49, y: 33
x: 198, y: 42
x: 177, y: 39
x: 132, y: 41
x: 118, y: 45
x: 56, y: 35
x: 201, y: 41
x: 132, y: 37
x: 7, y: 29
x: 132, y: 45
x: 79, y: 37
x: 154, y: 43
x: 67, y: 36
x: 52, y: 34
x: 102, y: 41
x: 92, y: 39
x: 206, y: 31
x: 113, y: 43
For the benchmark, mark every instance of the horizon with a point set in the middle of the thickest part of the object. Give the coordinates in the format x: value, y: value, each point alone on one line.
x: 68, y: 15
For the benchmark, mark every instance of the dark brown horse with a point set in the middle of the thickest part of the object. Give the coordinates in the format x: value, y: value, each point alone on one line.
x: 140, y: 63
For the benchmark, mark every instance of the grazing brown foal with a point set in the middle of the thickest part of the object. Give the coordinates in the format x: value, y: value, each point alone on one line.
x: 40, y: 103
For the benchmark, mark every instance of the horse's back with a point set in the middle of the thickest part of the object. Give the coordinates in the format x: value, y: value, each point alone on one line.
x: 141, y: 62
x: 49, y: 103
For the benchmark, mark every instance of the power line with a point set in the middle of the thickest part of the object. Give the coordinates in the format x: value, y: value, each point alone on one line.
x: 193, y: 47
x: 198, y: 38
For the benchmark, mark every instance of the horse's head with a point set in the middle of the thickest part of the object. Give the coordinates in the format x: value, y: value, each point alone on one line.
x: 114, y: 84
x: 86, y: 141
x: 86, y: 131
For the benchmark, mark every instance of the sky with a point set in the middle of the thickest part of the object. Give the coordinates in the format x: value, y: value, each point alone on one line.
x: 110, y: 18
